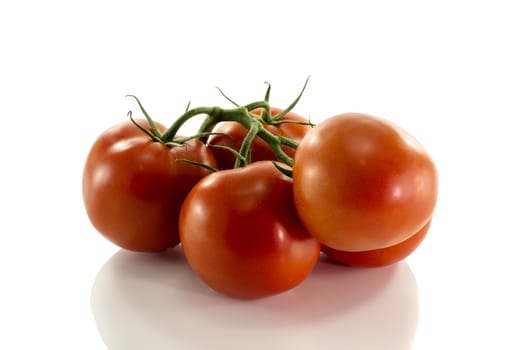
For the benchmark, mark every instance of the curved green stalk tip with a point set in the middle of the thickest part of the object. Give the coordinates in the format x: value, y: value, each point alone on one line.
x: 227, y: 97
x: 293, y: 104
x: 152, y: 124
x: 268, y: 92
x: 202, y: 165
x: 287, y: 121
x: 286, y: 171
x: 310, y: 122
x: 144, y: 130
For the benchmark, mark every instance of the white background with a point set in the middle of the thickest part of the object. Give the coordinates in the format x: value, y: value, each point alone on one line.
x: 450, y: 72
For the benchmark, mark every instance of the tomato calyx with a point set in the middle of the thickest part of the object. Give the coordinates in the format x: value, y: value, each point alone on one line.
x: 154, y: 134
x: 167, y: 140
x: 265, y: 115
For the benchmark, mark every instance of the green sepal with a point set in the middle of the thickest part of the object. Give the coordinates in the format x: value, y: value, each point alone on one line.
x: 232, y: 150
x: 292, y: 105
x: 286, y: 171
x: 144, y: 130
x: 202, y: 165
x: 152, y: 124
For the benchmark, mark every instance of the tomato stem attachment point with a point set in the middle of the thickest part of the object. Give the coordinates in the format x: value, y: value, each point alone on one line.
x: 172, y: 131
x: 144, y: 130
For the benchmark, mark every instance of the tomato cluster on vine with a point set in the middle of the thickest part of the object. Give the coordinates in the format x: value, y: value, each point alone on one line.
x: 259, y: 193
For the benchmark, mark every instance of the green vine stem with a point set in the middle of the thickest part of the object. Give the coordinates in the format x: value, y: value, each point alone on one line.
x: 170, y: 133
x: 242, y: 115
x: 292, y: 105
x: 245, y: 149
x: 255, y: 126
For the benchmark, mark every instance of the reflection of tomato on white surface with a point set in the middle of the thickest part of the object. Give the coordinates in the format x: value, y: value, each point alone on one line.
x: 156, y: 301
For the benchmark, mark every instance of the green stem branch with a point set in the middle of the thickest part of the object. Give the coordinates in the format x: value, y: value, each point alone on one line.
x: 245, y: 149
x: 172, y: 131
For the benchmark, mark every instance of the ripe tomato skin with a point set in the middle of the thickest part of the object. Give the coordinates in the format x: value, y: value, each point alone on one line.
x: 379, y: 257
x: 241, y: 234
x: 234, y: 133
x: 362, y: 183
x: 133, y: 187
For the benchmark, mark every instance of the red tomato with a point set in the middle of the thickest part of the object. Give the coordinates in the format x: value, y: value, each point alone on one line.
x: 133, y: 187
x: 379, y: 257
x: 241, y: 234
x: 234, y: 133
x: 361, y: 183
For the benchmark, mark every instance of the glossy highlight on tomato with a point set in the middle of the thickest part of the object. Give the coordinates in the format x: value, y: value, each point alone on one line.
x: 133, y: 187
x: 362, y: 183
x: 241, y: 234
